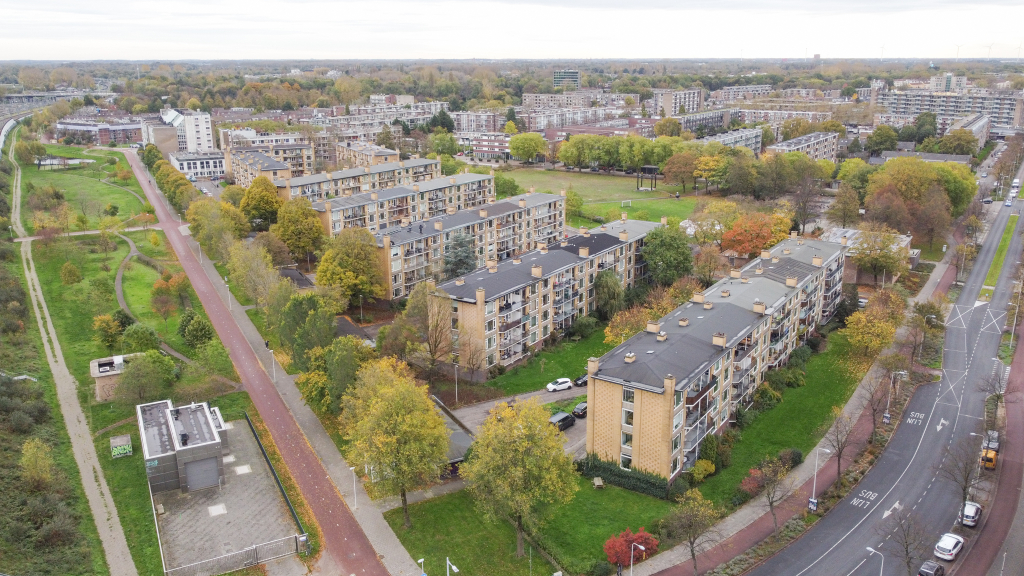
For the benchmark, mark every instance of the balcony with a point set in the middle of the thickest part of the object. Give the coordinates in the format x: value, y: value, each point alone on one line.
x: 510, y: 306
x: 511, y: 324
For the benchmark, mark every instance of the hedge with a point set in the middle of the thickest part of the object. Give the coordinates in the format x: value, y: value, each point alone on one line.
x: 635, y: 480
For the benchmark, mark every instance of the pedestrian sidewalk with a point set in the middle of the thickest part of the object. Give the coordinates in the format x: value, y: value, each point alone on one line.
x: 367, y: 513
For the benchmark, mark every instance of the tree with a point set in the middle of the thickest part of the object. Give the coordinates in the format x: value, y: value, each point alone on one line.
x: 910, y: 177
x: 877, y: 397
x: 959, y: 466
x: 776, y: 485
x: 878, y: 251
x: 69, y: 274
x: 298, y: 226
x: 164, y: 305
x: 332, y: 371
x: 741, y: 176
x: 796, y: 127
x: 429, y: 311
x: 233, y: 195
x: 773, y: 177
x: 806, y: 200
x: 510, y: 127
x: 667, y: 253
x: 306, y: 321
x: 144, y: 378
x: 573, y: 203
x: 712, y: 169
x: 932, y: 218
x: 837, y: 431
x: 252, y: 269
x: 518, y: 469
x: 460, y: 256
x: 608, y: 294
x: 627, y: 547
x: 261, y: 204
x: 199, y: 332
x: 750, y: 234
x: 960, y: 141
x: 869, y: 332
x: 882, y: 139
x: 625, y: 324
x: 527, y: 146
x: 845, y: 209
x: 36, y: 463
x: 139, y: 338
x: 216, y: 224
x: 668, y: 127
x: 505, y: 186
x: 442, y: 143
x: 910, y: 540
x: 442, y: 120
x: 402, y: 438
x: 693, y: 521
x: 108, y: 331
x: 706, y: 264
x: 855, y: 146
x: 385, y: 138
x: 349, y: 266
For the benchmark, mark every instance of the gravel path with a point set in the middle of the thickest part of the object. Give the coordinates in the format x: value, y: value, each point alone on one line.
x: 115, y: 546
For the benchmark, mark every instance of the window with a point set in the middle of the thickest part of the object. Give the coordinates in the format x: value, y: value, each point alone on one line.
x: 489, y: 326
x: 677, y: 420
x: 675, y: 464
x: 490, y: 359
x: 490, y: 342
x: 627, y: 440
x: 627, y: 417
x: 678, y: 399
x: 626, y: 462
x: 627, y: 395
x: 676, y: 442
x: 533, y: 337
x: 490, y: 308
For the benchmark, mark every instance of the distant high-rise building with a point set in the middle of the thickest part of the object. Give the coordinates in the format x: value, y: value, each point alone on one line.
x: 567, y: 77
x: 947, y: 83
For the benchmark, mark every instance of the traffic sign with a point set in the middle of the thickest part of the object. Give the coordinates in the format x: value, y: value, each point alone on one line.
x: 812, y: 504
x: 886, y: 418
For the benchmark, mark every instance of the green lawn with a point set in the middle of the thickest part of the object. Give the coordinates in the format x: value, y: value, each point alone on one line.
x: 565, y: 405
x: 592, y: 187
x: 931, y: 253
x: 450, y: 526
x: 138, y: 285
x: 567, y: 360
x: 1004, y: 244
x: 655, y: 209
x: 141, y: 239
x: 794, y: 422
x: 80, y: 192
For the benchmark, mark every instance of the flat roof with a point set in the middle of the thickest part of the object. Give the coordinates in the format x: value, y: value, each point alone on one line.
x: 510, y: 276
x: 164, y: 428
x: 353, y: 172
x: 263, y: 161
x: 805, y: 139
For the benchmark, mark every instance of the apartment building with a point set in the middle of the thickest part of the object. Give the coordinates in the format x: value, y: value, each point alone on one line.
x: 817, y: 145
x: 746, y: 137
x: 567, y: 78
x: 1004, y: 107
x: 355, y: 154
x: 404, y: 205
x: 732, y: 93
x: 248, y: 138
x: 274, y: 162
x: 491, y: 146
x: 777, y: 116
x: 315, y: 187
x: 478, y: 122
x: 193, y: 129
x: 499, y: 231
x: 200, y: 165
x: 580, y: 99
x: 977, y: 124
x: 101, y: 133
x: 947, y: 83
x: 392, y: 99
x: 719, y: 118
x: 536, y: 119
x: 513, y: 305
x: 676, y: 101
x: 655, y: 397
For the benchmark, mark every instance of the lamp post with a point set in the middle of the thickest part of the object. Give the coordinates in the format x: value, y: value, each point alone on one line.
x: 228, y: 288
x: 273, y: 365
x: 902, y: 374
x: 881, y: 570
x: 355, y: 495
x: 634, y: 545
x: 420, y: 562
x: 449, y: 566
x: 456, y: 364
x: 978, y: 473
x: 812, y: 502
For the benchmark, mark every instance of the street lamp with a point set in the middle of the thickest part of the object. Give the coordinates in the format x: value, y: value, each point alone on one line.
x: 873, y: 551
x: 978, y: 473
x: 902, y: 374
x: 635, y: 545
x: 420, y: 562
x: 449, y: 566
x: 355, y: 495
x: 812, y: 502
x: 273, y: 365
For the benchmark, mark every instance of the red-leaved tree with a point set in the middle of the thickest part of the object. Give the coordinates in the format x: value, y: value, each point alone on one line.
x: 753, y: 483
x: 618, y: 548
x: 751, y: 233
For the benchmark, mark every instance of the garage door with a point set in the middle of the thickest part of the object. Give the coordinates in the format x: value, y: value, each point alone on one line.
x: 201, y: 474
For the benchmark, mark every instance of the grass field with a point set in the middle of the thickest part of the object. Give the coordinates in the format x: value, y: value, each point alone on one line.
x: 794, y: 422
x: 565, y: 405
x: 567, y: 360
x: 592, y: 187
x: 1004, y: 244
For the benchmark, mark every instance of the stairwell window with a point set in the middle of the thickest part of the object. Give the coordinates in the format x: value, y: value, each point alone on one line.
x: 627, y: 417
x: 676, y: 441
x: 626, y: 462
x: 627, y: 440
x: 627, y: 395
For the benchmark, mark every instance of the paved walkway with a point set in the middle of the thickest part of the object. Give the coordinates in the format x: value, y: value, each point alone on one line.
x: 104, y: 512
x: 353, y: 539
x: 24, y: 238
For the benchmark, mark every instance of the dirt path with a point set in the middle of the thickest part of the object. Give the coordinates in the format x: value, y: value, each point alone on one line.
x: 115, y: 546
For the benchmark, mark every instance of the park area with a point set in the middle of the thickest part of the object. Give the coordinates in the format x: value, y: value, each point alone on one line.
x: 604, y: 195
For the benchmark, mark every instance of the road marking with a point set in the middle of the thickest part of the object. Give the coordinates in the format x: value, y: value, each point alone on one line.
x: 895, y: 506
x: 858, y: 566
x: 942, y: 422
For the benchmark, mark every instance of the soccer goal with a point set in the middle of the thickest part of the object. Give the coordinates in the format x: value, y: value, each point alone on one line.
x: 627, y: 204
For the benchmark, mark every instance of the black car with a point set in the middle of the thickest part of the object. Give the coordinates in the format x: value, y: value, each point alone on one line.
x: 562, y: 420
x: 580, y: 411
x: 581, y: 381
x: 930, y: 568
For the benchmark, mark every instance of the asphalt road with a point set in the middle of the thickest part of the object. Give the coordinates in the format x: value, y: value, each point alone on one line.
x: 938, y: 414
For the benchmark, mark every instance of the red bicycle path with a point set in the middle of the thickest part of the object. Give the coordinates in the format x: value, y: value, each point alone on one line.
x: 763, y: 527
x: 343, y: 539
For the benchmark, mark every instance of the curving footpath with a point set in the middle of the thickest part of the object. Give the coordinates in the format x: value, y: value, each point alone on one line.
x: 104, y: 513
x: 345, y: 544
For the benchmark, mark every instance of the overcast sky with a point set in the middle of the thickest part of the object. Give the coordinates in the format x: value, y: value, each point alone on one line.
x: 292, y: 29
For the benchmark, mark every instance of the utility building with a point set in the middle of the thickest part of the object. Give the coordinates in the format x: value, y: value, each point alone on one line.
x: 182, y: 446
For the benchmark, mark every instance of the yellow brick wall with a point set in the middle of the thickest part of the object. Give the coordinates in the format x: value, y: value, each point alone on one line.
x: 652, y: 426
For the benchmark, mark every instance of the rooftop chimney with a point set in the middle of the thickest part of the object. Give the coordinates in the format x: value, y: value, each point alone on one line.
x: 438, y: 225
x: 415, y: 187
x: 561, y: 192
x: 492, y: 269
x: 532, y: 189
x: 536, y: 271
x: 483, y: 212
x: 708, y: 304
x: 517, y: 260
x: 491, y: 263
x: 624, y: 236
x: 775, y: 259
x: 725, y: 293
x: 593, y: 365
x: 684, y: 322
x: 697, y: 297
x: 759, y: 307
x: 786, y: 251
x: 792, y: 234
x: 718, y: 339
x: 480, y: 295
x: 758, y: 270
x: 451, y: 180
x: 744, y: 280
x: 844, y: 240
x: 670, y: 382
x: 522, y: 202
x: 765, y: 254
x: 563, y: 243
x: 543, y: 249
x: 624, y: 215
x: 734, y: 273
x: 662, y: 336
x: 653, y: 326
x: 460, y: 281
x: 664, y: 220
x: 791, y: 281
x: 816, y: 260
x: 584, y: 252
x: 630, y: 357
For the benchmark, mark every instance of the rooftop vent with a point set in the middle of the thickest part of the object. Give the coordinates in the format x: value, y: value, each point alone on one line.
x: 684, y: 321
x: 725, y: 293
x: 460, y: 281
x: 630, y: 358
x: 775, y: 259
x: 744, y: 280
x: 662, y: 336
x: 758, y: 270
x: 708, y: 305
x: 184, y: 438
x: 786, y: 251
x: 718, y: 339
x: 517, y: 260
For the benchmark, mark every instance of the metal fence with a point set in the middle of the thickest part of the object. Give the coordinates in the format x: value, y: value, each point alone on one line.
x: 251, y: 556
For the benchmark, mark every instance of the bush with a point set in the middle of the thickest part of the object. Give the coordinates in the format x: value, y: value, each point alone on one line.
x: 740, y: 497
x: 701, y: 470
x: 816, y: 343
x: 766, y: 398
x: 186, y: 318
x: 111, y: 210
x: 602, y: 568
x: 800, y: 356
x: 69, y: 274
x: 724, y: 457
x: 677, y: 488
x: 199, y: 332
x: 791, y: 457
x: 123, y: 318
x: 635, y: 480
x: 744, y: 417
x: 584, y: 327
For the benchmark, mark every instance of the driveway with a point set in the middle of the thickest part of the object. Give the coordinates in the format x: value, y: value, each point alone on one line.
x: 575, y: 437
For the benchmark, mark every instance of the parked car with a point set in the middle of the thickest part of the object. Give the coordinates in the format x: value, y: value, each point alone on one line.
x: 991, y: 441
x: 930, y: 568
x: 560, y: 384
x: 988, y: 459
x: 562, y: 420
x: 1009, y: 202
x: 949, y: 546
x: 987, y: 201
x: 984, y: 174
x: 580, y: 411
x: 862, y: 302
x: 581, y: 381
x: 973, y: 514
